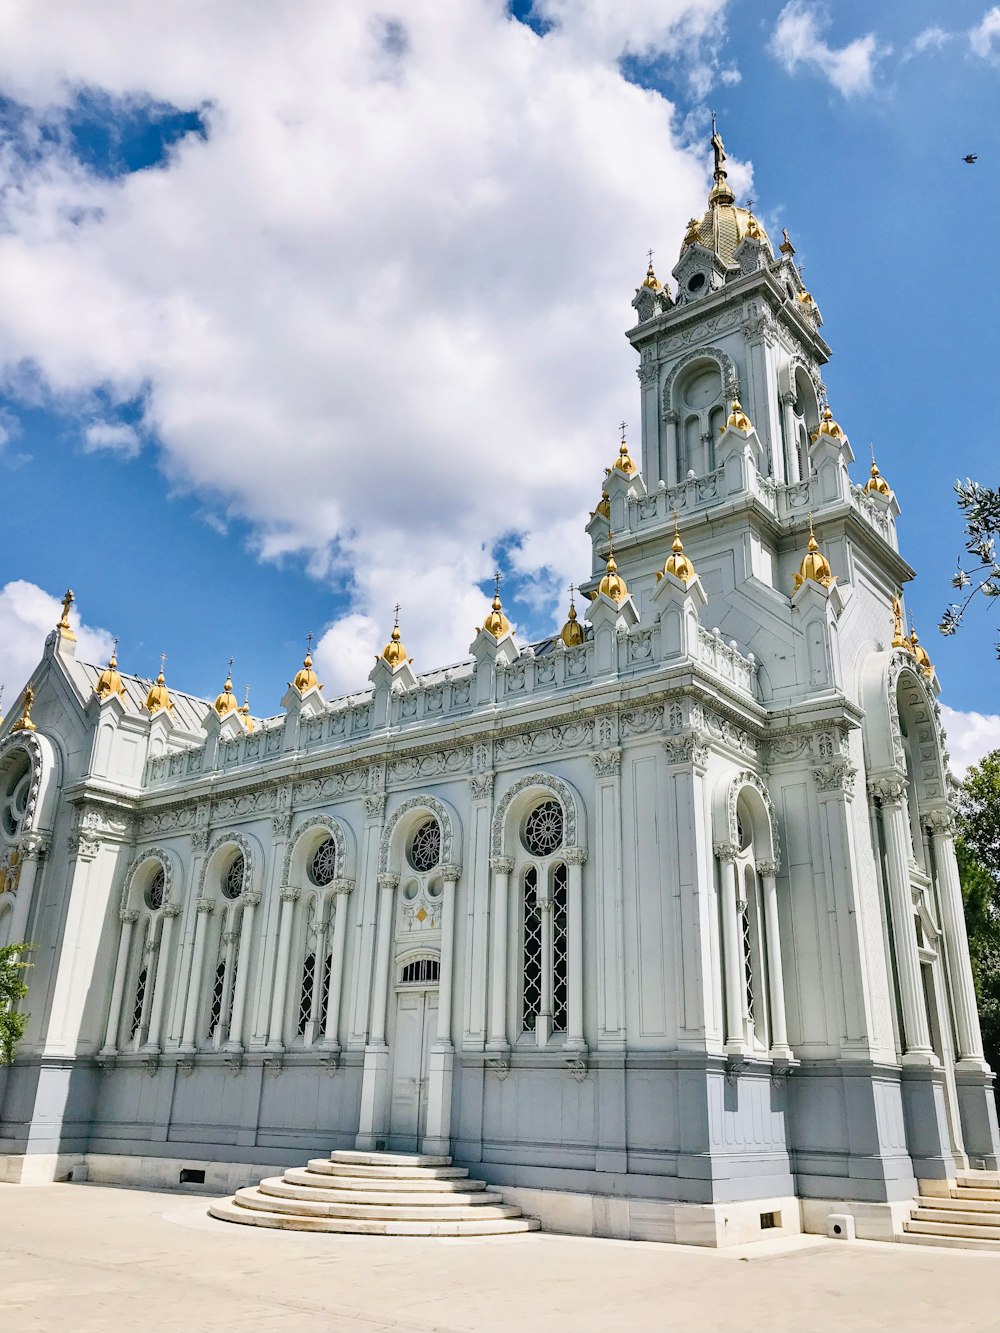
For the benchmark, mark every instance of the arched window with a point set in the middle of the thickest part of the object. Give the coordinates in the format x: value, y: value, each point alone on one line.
x: 139, y: 1003
x: 15, y: 793
x: 531, y: 991
x: 753, y: 944
x: 232, y: 884
x: 424, y: 851
x: 306, y: 992
x: 215, y: 1005
x: 543, y: 922
x: 323, y: 864
x: 420, y: 972
x: 559, y: 948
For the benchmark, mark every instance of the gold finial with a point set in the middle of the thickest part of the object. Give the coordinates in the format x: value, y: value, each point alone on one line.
x: 753, y: 226
x: 158, y: 697
x: 109, y: 682
x: 24, y: 722
x: 496, y: 623
x: 63, y: 626
x: 623, y: 462
x: 650, y: 279
x: 226, y: 703
x: 245, y: 712
x: 738, y: 419
x: 827, y: 426
x: 603, y: 507
x: 678, y: 563
x: 920, y: 653
x: 572, y: 633
x: 306, y: 678
x: 814, y: 565
x: 721, y: 192
x: 613, y: 585
x: 693, y: 234
x: 877, y: 484
x: 394, y: 652
x: 899, y: 639
x: 786, y: 247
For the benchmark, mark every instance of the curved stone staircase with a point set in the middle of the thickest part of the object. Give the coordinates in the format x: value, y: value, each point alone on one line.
x: 376, y: 1193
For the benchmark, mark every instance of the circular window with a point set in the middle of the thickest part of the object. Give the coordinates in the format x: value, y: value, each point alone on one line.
x: 425, y: 846
x: 14, y: 803
x: 696, y: 282
x: 435, y: 889
x: 543, y: 829
x: 232, y: 885
x: 410, y: 890
x: 155, y: 890
x: 323, y: 866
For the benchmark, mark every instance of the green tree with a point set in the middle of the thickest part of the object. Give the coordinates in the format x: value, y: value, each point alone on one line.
x: 12, y: 989
x: 981, y: 507
x: 978, y: 848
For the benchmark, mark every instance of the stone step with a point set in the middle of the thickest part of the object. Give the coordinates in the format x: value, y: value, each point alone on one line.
x: 949, y: 1242
x: 393, y: 1184
x: 261, y: 1201
x: 959, y: 1201
x: 290, y: 1187
x: 320, y: 1164
x: 963, y: 1227
x: 228, y: 1211
x: 972, y: 1192
x: 963, y: 1216
x: 990, y: 1179
x: 388, y: 1158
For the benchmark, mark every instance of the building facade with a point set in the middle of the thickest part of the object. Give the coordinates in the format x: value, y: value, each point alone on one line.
x: 656, y: 923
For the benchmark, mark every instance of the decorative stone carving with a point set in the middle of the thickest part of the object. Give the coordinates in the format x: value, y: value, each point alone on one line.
x: 607, y: 763
x: 481, y: 786
x: 888, y: 789
x: 546, y: 782
x: 433, y: 807
x: 243, y: 845
x: 940, y: 821
x: 375, y: 808
x: 690, y: 749
x: 837, y: 775
x: 501, y: 865
x: 330, y: 826
x: 574, y: 856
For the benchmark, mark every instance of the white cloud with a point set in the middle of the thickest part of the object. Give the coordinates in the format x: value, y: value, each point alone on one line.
x: 984, y: 38
x: 377, y: 313
x: 114, y: 436
x: 970, y: 736
x: 27, y: 615
x: 931, y: 39
x: 798, y: 40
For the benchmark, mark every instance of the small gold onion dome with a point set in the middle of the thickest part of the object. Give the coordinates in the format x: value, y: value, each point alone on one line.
x: 677, y: 562
x: 226, y: 703
x: 877, y: 484
x: 245, y: 712
x: 496, y: 623
x: 814, y: 565
x: 738, y: 419
x: 572, y: 633
x: 804, y: 297
x: 394, y: 652
x: 158, y: 697
x: 305, y: 677
x: 650, y: 279
x: 613, y: 585
x: 692, y: 234
x: 624, y: 462
x: 827, y: 426
x: 603, y: 507
x: 920, y: 653
x: 109, y: 682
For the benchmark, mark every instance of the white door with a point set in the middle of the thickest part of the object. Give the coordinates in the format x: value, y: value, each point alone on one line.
x: 416, y: 1027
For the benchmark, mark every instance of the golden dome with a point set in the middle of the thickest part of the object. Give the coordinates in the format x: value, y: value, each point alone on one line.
x: 496, y: 623
x: 723, y: 225
x: 920, y: 653
x: 306, y: 678
x: 158, y: 697
x: 677, y: 562
x: 603, y: 507
x: 245, y: 712
x: 109, y: 682
x: 226, y: 701
x: 877, y: 484
x: 572, y: 633
x: 613, y: 585
x: 814, y: 565
x: 805, y: 298
x: 394, y: 652
x: 650, y: 279
x: 827, y: 426
x: 738, y: 419
x: 624, y: 462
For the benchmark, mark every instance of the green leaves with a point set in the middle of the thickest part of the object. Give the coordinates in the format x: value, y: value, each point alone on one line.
x: 13, y: 988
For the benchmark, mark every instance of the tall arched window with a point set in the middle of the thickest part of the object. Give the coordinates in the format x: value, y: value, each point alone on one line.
x: 232, y: 884
x: 543, y: 922
x: 321, y: 869
x: 753, y: 943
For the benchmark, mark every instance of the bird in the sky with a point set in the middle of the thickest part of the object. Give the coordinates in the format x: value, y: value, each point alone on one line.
x: 970, y: 158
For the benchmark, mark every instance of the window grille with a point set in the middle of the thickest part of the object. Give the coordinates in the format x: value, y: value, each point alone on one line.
x: 559, y: 949
x: 215, y: 1012
x: 421, y: 970
x: 155, y: 891
x: 747, y: 957
x: 531, y: 1002
x: 14, y: 804
x: 140, y: 999
x: 543, y: 829
x: 323, y: 866
x: 305, y: 994
x: 232, y: 885
x: 324, y: 991
x: 425, y: 847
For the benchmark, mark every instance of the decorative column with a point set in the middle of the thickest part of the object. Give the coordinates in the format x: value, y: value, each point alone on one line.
x: 501, y: 866
x: 780, y: 1050
x: 275, y: 1042
x: 732, y: 952
x: 367, y: 919
x: 787, y: 401
x: 204, y: 908
x: 451, y: 876
x: 543, y: 1022
x: 380, y: 997
x: 160, y: 979
x: 32, y: 848
x: 235, y: 1037
x: 442, y: 1055
x: 375, y: 1077
x: 574, y: 858
x: 128, y: 920
x: 671, y: 473
x: 338, y: 925
x: 941, y: 825
x: 891, y: 791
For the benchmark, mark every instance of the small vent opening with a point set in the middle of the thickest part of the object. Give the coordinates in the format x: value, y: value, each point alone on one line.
x: 192, y: 1175
x: 768, y: 1221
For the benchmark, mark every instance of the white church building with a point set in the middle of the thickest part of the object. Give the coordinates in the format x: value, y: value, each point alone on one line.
x: 655, y: 924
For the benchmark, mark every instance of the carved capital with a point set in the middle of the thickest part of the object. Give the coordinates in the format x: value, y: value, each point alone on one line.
x: 281, y: 824
x: 128, y: 918
x: 341, y: 886
x: 83, y: 844
x: 671, y: 416
x: 289, y: 894
x: 888, y: 789
x: 451, y: 874
x: 199, y: 839
x: 574, y: 856
x: 481, y: 786
x: 250, y: 899
x: 171, y: 909
x: 940, y: 823
x: 205, y: 905
x: 388, y: 882
x: 607, y: 763
x: 32, y: 846
x: 230, y: 936
x: 726, y: 851
x: 836, y: 776
x: 767, y: 869
x: 501, y: 865
x: 690, y: 749
x: 375, y: 807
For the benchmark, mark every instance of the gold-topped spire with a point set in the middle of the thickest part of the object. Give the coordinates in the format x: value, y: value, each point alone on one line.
x: 24, y: 722
x: 827, y: 426
x: 678, y: 563
x: 226, y: 703
x: 109, y: 682
x: 738, y: 419
x: 877, y: 484
x: 63, y: 626
x: 624, y: 461
x: 603, y: 507
x: 651, y: 281
x: 572, y: 633
x: 306, y: 678
x: 814, y: 565
x: 613, y: 585
x: 496, y: 623
x: 899, y: 639
x: 245, y: 712
x: 158, y: 699
x: 920, y: 653
x: 693, y: 234
x: 722, y: 192
x: 394, y: 652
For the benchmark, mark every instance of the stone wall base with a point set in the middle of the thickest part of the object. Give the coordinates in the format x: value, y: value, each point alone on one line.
x: 872, y: 1221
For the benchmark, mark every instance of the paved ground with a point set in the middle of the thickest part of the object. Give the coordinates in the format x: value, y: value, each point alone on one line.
x: 84, y: 1258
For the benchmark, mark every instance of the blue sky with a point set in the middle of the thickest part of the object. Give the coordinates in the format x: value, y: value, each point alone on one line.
x: 304, y: 316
